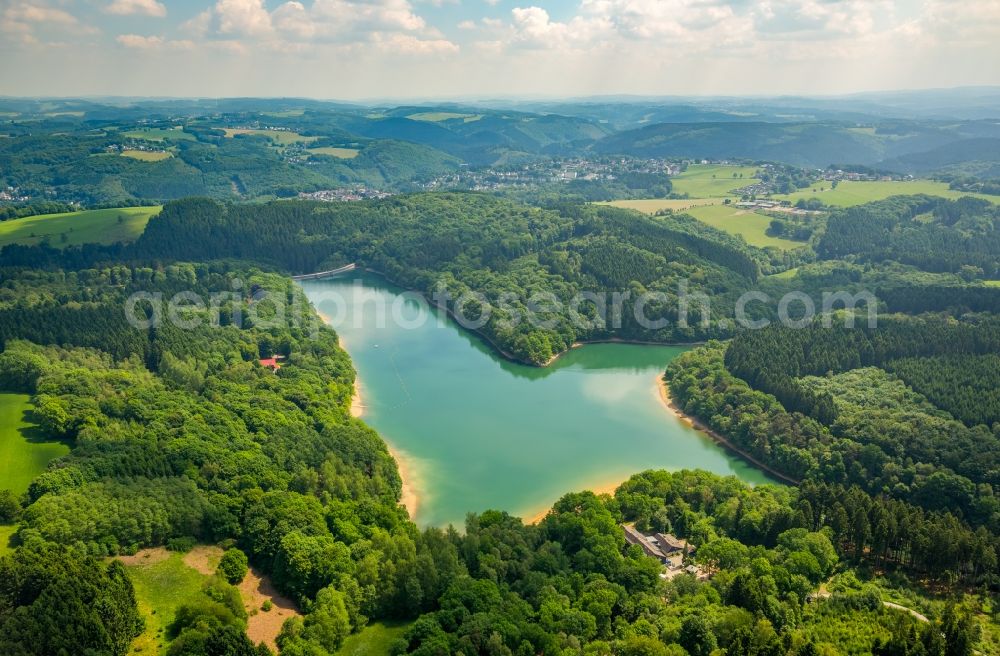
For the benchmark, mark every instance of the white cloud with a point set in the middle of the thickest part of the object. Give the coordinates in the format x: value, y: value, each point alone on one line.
x: 139, y: 42
x: 384, y: 24
x: 29, y: 21
x: 29, y: 13
x: 139, y: 7
x: 410, y: 45
x: 199, y: 25
x: 243, y: 17
x: 467, y: 25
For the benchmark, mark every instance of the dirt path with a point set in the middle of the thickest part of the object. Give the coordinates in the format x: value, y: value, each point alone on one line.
x: 915, y: 614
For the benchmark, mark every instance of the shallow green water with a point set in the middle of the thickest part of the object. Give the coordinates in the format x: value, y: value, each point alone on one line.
x: 479, y: 432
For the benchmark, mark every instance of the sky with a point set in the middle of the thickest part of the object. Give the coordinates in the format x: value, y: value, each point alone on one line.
x: 454, y: 49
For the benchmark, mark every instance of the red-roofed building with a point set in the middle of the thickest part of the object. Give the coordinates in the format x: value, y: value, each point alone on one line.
x: 271, y: 363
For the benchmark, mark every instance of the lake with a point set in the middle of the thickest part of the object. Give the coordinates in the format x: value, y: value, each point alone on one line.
x: 476, y: 431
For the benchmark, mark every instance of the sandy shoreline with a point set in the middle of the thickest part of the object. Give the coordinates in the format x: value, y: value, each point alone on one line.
x: 408, y: 495
x: 604, y: 488
x: 698, y: 425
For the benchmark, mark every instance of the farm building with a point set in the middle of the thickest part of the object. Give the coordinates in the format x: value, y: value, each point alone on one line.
x: 669, y: 544
x: 633, y: 536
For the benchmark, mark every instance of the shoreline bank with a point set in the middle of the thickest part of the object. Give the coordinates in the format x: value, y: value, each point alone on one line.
x: 492, y: 344
x: 407, y: 496
x: 604, y: 488
x: 701, y: 427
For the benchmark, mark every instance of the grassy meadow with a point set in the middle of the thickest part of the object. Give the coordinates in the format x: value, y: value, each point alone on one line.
x: 280, y: 137
x: 24, y: 451
x: 85, y: 227
x: 342, y: 153
x: 147, y: 155
x: 654, y: 205
x: 163, y: 581
x: 746, y: 223
x: 787, y: 274
x: 850, y: 193
x: 435, y: 117
x: 374, y: 640
x: 159, y: 134
x: 712, y: 180
x: 6, y: 533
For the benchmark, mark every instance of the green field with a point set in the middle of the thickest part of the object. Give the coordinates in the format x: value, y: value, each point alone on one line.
x: 147, y: 155
x: 374, y: 640
x: 748, y: 224
x: 992, y: 283
x: 711, y: 180
x: 24, y: 451
x: 787, y: 274
x: 6, y: 533
x: 159, y: 134
x: 161, y: 585
x: 434, y: 117
x: 85, y: 227
x: 280, y: 137
x: 342, y: 153
x: 849, y: 193
x: 654, y: 205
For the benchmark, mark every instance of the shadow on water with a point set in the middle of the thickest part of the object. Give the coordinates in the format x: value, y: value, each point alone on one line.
x: 598, y: 356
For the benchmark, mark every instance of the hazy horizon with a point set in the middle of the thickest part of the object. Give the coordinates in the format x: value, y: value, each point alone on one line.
x: 401, y: 49
x: 486, y: 99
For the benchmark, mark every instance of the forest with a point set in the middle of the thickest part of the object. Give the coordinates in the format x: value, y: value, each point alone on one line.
x: 462, y: 244
x: 961, y: 236
x: 469, y: 243
x: 182, y: 437
x: 818, y: 406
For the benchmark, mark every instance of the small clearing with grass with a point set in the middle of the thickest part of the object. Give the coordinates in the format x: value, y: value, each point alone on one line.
x: 25, y: 451
x: 850, y: 193
x: 147, y: 155
x: 164, y: 580
x: 712, y: 180
x: 342, y: 153
x: 746, y: 223
x: 654, y: 205
x: 159, y: 134
x: 6, y: 533
x: 85, y: 227
x: 435, y: 117
x: 280, y: 137
x: 373, y: 640
x: 162, y: 583
x: 787, y: 274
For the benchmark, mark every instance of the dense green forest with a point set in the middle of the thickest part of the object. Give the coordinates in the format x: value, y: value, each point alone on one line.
x: 961, y: 236
x: 180, y: 436
x: 467, y: 243
x: 860, y: 406
x: 464, y: 244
